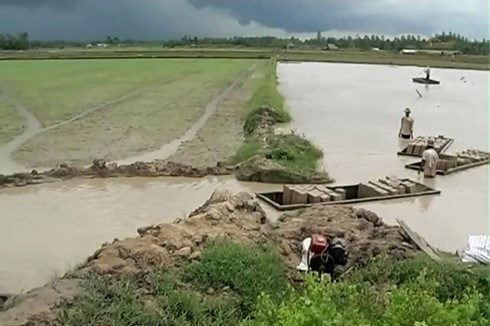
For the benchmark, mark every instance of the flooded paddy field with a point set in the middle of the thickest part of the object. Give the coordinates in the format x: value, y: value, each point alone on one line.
x: 353, y: 113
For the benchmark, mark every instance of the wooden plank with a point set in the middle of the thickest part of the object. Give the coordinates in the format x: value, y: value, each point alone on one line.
x: 418, y: 240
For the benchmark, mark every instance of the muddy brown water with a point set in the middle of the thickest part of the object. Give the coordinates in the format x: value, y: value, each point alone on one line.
x: 351, y: 111
x: 48, y: 229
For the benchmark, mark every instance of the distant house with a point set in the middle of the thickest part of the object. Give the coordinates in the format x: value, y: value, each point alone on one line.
x: 409, y: 51
x: 89, y: 46
x: 375, y: 49
x: 102, y: 45
x: 331, y: 46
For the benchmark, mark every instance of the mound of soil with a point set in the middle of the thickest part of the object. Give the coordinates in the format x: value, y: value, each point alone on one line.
x: 366, y: 234
x: 265, y: 122
x: 164, y: 246
x: 224, y: 216
x: 260, y: 169
x: 101, y: 169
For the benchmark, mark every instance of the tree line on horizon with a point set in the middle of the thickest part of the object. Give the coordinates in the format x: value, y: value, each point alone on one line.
x: 444, y: 42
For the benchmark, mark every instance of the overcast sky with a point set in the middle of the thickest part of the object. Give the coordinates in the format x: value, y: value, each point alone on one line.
x: 162, y: 19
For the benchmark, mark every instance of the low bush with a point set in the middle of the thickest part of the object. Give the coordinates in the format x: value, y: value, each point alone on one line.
x: 413, y: 302
x: 161, y: 298
x: 452, y: 279
x: 248, y: 149
x: 294, y: 152
x: 248, y: 271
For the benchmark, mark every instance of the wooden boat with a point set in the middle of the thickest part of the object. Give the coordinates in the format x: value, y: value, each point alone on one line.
x: 450, y: 164
x: 421, y: 80
x: 350, y: 194
x: 417, y: 146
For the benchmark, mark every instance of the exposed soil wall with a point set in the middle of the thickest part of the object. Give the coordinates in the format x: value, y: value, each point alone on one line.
x: 100, y: 169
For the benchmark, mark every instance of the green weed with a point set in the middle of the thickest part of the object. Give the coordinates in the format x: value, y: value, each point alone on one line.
x: 294, y: 152
x: 248, y: 149
x: 248, y: 271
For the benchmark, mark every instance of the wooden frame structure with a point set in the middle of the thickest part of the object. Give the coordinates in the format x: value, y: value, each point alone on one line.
x: 274, y: 198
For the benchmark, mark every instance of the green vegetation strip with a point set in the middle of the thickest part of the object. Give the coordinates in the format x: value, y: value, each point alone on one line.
x: 220, y: 289
x: 266, y: 94
x: 297, y: 157
x: 479, y: 62
x: 234, y: 284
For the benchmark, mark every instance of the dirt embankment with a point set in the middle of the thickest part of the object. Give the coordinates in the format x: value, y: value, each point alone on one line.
x: 100, y: 169
x: 262, y: 167
x: 224, y: 216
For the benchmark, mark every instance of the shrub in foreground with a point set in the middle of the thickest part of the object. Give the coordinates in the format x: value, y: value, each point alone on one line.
x: 162, y: 298
x: 344, y: 303
x: 248, y: 271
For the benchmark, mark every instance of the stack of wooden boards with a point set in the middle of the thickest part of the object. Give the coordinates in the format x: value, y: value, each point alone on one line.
x: 310, y: 194
x: 418, y: 145
x: 386, y: 187
x: 473, y: 155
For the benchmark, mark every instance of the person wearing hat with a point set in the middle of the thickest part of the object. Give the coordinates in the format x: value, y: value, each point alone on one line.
x: 429, y: 160
x: 427, y: 72
x: 406, y: 128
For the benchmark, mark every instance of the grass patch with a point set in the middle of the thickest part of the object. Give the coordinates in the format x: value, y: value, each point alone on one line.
x: 418, y: 291
x: 56, y: 90
x: 412, y: 292
x: 10, y: 122
x: 182, y: 299
x: 249, y: 148
x: 249, y: 271
x: 452, y: 279
x: 174, y: 93
x: 266, y: 94
x: 294, y: 152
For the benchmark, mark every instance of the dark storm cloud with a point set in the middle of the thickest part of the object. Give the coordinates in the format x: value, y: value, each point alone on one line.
x: 381, y: 16
x: 156, y: 19
x: 39, y: 3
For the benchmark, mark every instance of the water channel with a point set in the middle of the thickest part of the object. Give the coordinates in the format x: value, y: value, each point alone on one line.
x: 351, y: 111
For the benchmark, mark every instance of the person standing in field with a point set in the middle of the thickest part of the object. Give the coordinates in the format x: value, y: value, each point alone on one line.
x: 429, y: 160
x: 406, y: 128
x: 427, y: 72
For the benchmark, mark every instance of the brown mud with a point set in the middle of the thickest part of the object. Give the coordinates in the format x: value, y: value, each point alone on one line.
x: 256, y: 169
x: 223, y: 217
x: 101, y: 169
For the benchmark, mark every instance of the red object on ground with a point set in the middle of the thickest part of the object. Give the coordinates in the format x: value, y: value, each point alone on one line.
x: 318, y: 243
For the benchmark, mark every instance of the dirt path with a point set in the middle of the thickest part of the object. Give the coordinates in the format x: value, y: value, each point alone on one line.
x: 169, y: 149
x: 33, y: 126
x: 206, y: 148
